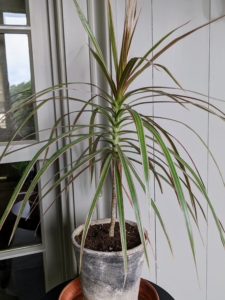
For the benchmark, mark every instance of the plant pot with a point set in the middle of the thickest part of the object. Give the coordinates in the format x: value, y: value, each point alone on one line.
x: 102, y: 273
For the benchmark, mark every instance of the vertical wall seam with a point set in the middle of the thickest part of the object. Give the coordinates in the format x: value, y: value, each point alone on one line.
x: 93, y: 72
x: 208, y: 120
x: 98, y: 20
x: 54, y: 81
x: 69, y: 206
x: 153, y: 113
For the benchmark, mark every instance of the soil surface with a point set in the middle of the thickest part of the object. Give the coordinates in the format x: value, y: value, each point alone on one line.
x: 98, y: 238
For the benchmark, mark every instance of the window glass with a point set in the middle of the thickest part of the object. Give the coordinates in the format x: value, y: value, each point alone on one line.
x: 13, y: 12
x: 14, y: 19
x: 22, y: 278
x: 15, y: 87
x: 28, y: 233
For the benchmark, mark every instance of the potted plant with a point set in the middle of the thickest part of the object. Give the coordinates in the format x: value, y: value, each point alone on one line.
x: 129, y: 139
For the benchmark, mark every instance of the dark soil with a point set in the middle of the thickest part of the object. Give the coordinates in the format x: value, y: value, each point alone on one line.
x: 98, y: 238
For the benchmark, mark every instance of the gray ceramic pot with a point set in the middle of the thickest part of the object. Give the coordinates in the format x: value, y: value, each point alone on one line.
x: 102, y: 274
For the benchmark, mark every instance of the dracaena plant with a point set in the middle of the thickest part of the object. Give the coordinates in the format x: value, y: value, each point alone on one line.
x: 125, y: 148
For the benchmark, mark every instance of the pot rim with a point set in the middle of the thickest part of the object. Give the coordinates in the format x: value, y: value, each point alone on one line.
x: 97, y: 253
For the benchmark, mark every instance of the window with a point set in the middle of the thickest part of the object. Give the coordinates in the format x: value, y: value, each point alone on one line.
x: 26, y: 62
x: 46, y: 60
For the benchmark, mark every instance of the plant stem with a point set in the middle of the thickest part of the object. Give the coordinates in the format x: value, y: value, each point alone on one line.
x: 113, y: 208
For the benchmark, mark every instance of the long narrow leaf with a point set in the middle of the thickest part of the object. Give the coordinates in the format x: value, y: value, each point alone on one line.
x: 157, y: 44
x: 71, y: 171
x: 70, y: 180
x: 167, y: 47
x: 144, y: 156
x: 105, y: 71
x: 89, y: 32
x: 112, y: 36
x: 119, y: 195
x: 125, y: 75
x: 201, y: 187
x: 209, y: 151
x: 169, y: 73
x: 177, y: 185
x: 37, y: 177
x: 134, y: 198
x: 92, y: 120
x: 18, y: 129
x: 102, y: 179
x: 153, y: 206
x: 164, y: 132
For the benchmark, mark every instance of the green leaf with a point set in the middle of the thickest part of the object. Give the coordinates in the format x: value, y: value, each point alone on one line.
x: 177, y: 184
x: 150, y: 160
x: 72, y: 170
x: 157, y: 44
x: 130, y: 12
x: 183, y: 36
x: 82, y: 110
x: 135, y: 75
x: 102, y: 179
x: 134, y: 198
x: 170, y: 74
x: 89, y: 32
x: 205, y: 145
x: 196, y: 222
x: 37, y: 177
x: 167, y: 135
x: 18, y: 129
x: 105, y: 71
x: 126, y: 73
x: 153, y: 206
x: 201, y: 187
x: 112, y: 36
x: 70, y: 180
x: 91, y: 128
x: 144, y: 156
x: 153, y: 92
x: 92, y: 161
x: 196, y: 200
x: 119, y: 195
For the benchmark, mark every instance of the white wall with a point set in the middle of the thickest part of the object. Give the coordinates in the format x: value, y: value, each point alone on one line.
x: 198, y: 64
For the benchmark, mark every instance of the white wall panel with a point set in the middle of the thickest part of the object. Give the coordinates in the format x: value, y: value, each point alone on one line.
x: 188, y: 62
x: 78, y: 70
x: 216, y: 257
